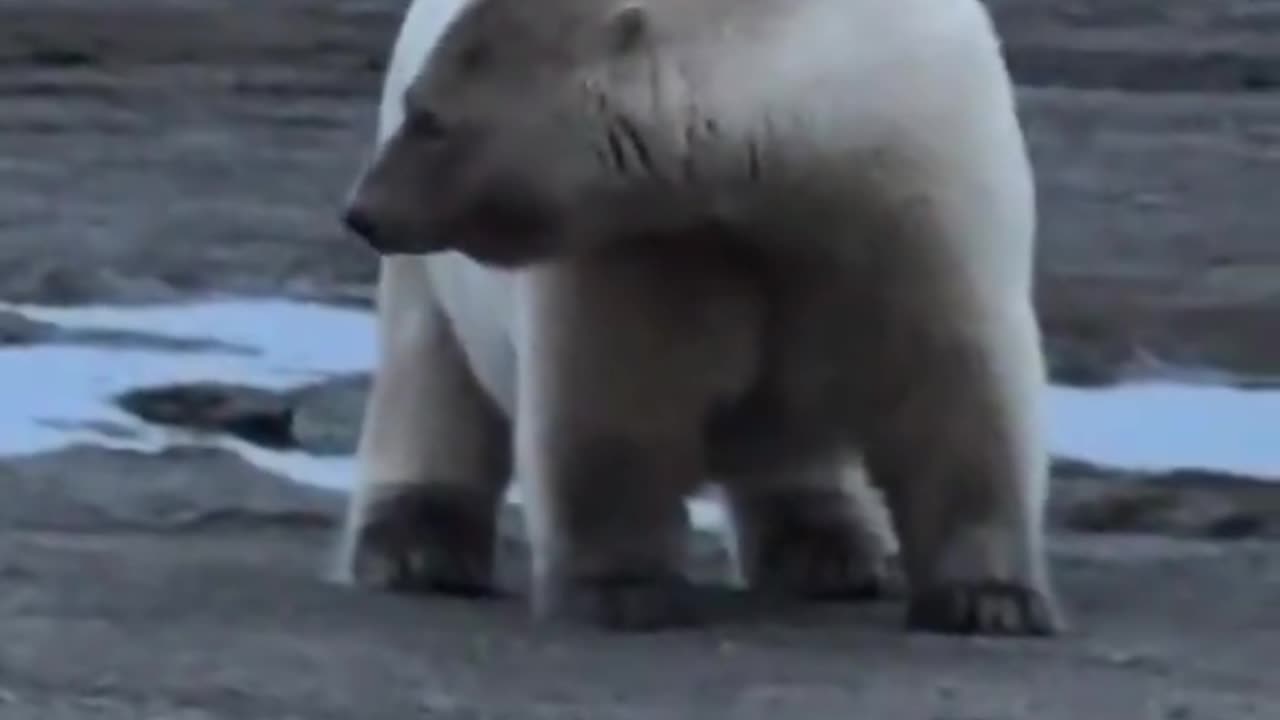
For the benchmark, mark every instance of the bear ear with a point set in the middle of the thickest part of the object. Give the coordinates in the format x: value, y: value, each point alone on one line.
x: 628, y: 28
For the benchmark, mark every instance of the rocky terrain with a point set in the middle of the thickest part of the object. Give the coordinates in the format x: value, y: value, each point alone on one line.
x: 152, y: 150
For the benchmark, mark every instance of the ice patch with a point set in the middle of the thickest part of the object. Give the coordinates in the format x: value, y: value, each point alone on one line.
x: 1161, y: 426
x: 55, y: 395
x: 48, y: 387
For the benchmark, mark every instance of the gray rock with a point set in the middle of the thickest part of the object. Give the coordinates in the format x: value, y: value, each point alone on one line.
x: 327, y: 416
x: 1181, y: 503
x: 259, y: 416
x: 1240, y: 62
x: 18, y: 329
x: 322, y: 418
x: 1081, y: 363
x: 91, y: 488
x: 1167, y: 193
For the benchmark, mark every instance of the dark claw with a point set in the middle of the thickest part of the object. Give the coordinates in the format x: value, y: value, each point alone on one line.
x: 822, y: 566
x: 428, y: 539
x: 984, y: 608
x: 806, y: 550
x: 631, y: 605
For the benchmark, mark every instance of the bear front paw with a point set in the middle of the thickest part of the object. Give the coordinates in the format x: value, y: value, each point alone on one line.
x: 624, y: 604
x: 985, y: 608
x: 821, y: 563
x: 428, y: 539
x: 810, y: 545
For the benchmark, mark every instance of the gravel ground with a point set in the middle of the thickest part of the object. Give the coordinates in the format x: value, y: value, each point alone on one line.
x: 187, y: 585
x: 159, y: 149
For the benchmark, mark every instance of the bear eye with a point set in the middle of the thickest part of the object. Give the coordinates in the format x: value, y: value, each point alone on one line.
x: 475, y: 57
x: 425, y: 124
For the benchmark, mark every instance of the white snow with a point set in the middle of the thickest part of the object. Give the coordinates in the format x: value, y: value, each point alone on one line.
x: 56, y: 394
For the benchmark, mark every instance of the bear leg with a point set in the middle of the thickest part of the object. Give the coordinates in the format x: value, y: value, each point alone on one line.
x: 434, y: 454
x: 611, y: 527
x: 958, y: 447
x: 815, y: 532
x: 613, y: 372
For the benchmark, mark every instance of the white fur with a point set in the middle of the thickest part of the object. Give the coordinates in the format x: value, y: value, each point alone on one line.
x: 931, y: 87
x: 908, y: 97
x: 406, y: 305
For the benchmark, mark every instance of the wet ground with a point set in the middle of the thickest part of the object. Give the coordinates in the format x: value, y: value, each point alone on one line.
x: 157, y: 150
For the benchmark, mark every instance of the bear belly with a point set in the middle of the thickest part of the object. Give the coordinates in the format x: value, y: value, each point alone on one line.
x: 479, y: 303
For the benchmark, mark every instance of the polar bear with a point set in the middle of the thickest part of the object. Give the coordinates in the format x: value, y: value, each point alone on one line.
x: 630, y: 244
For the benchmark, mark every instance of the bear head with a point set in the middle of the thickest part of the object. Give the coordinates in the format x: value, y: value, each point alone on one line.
x: 529, y: 133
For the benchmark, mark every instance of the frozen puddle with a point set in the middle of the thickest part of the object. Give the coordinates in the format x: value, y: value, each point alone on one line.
x: 48, y: 387
x: 56, y: 395
x: 1160, y: 426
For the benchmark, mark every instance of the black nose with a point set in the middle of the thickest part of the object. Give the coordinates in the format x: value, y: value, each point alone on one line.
x: 360, y: 222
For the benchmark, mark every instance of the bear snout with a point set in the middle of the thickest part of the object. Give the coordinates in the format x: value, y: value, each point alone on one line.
x: 389, y: 232
x: 360, y: 221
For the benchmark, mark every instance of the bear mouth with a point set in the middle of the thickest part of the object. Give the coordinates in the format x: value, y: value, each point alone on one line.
x: 499, y: 253
x: 508, y: 212
x: 504, y: 229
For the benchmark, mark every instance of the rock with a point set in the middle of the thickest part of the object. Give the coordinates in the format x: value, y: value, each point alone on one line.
x: 1166, y: 193
x: 52, y: 281
x: 327, y: 416
x: 18, y: 329
x: 1082, y: 363
x: 1099, y: 60
x: 322, y: 418
x: 259, y: 416
x: 1181, y: 503
x: 90, y: 488
x: 361, y: 296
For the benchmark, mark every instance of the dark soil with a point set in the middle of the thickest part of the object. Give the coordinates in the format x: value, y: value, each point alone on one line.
x: 188, y: 585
